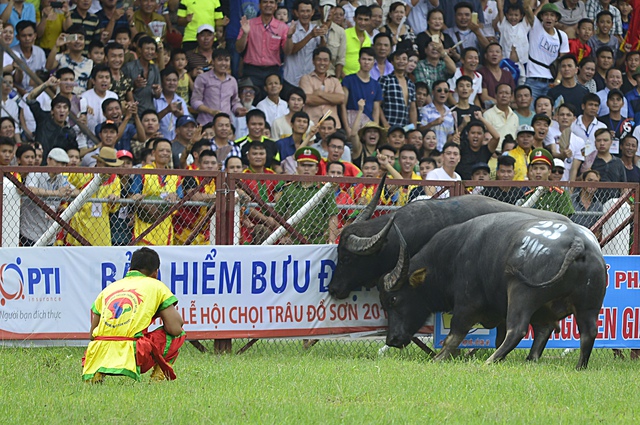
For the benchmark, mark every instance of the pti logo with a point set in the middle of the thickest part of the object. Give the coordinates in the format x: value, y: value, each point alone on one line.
x: 11, y: 282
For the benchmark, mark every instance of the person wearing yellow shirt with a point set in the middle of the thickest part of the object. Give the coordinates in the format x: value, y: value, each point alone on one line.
x: 194, y: 13
x: 520, y: 153
x: 92, y: 221
x: 357, y: 38
x: 155, y: 187
x: 121, y: 344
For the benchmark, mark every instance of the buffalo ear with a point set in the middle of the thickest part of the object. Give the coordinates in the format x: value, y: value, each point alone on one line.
x: 417, y: 278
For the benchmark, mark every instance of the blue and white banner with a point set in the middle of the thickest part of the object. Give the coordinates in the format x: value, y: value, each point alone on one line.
x: 223, y: 291
x: 618, y: 322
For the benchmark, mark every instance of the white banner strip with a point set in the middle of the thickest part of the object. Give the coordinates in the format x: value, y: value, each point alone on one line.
x: 223, y: 291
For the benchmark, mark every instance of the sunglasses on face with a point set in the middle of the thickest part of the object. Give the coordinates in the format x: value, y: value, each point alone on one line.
x: 441, y: 90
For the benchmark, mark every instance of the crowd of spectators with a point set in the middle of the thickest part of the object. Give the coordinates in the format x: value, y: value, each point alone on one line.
x: 415, y: 89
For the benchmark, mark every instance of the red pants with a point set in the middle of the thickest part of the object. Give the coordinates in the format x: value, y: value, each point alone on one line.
x: 158, y: 347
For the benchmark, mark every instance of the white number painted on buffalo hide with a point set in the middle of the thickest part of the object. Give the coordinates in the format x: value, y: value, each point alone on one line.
x: 531, y: 248
x: 548, y: 229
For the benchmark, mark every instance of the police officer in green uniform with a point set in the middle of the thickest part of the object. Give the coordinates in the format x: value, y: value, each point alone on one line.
x: 320, y: 225
x: 553, y: 198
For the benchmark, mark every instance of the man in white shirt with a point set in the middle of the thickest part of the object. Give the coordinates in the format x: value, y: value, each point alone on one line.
x: 586, y: 125
x: 546, y: 43
x: 450, y: 160
x: 272, y: 105
x: 32, y: 55
x: 613, y: 80
x: 101, y: 79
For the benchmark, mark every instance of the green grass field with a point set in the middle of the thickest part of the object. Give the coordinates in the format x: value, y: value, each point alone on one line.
x: 333, y: 382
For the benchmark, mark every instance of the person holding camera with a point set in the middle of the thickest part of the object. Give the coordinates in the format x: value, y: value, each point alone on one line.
x: 73, y: 41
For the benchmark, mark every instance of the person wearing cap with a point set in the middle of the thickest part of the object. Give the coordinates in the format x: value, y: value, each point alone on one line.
x: 185, y: 132
x: 73, y: 58
x: 557, y: 171
x: 169, y: 105
x: 247, y: 93
x: 200, y: 55
x: 145, y: 74
x: 108, y: 138
x: 112, y: 111
x: 321, y: 226
x: 546, y: 43
x: 216, y: 91
x: 263, y: 39
x: 51, y: 186
x: 52, y: 130
x: 365, y: 141
x: 194, y: 14
x: 619, y: 125
x: 501, y: 117
x: 92, y: 221
x: 553, y: 198
x: 520, y: 153
x: 472, y: 147
x: 596, y: 6
x: 613, y: 81
x: 479, y: 172
x: 569, y: 89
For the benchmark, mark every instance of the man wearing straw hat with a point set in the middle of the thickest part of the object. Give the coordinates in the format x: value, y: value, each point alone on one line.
x: 92, y: 221
x: 320, y: 225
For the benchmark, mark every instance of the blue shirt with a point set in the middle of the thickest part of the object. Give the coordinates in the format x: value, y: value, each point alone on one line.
x: 358, y: 89
x: 168, y: 122
x: 28, y: 14
x: 286, y: 147
x: 239, y: 8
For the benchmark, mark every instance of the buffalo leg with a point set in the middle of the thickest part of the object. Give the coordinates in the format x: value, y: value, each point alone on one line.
x: 501, y: 332
x: 517, y: 326
x: 588, y: 327
x: 541, y: 334
x: 459, y: 329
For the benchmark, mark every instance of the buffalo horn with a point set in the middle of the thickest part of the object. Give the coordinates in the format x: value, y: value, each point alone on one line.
x: 371, y: 206
x: 368, y: 245
x: 394, y: 279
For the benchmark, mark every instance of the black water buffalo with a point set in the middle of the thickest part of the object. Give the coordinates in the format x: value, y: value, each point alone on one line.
x: 502, y: 270
x: 367, y: 250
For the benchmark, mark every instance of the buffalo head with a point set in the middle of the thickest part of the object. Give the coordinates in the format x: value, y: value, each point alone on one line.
x: 403, y: 302
x: 359, y: 243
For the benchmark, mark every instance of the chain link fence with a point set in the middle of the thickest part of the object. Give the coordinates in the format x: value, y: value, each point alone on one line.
x: 181, y: 207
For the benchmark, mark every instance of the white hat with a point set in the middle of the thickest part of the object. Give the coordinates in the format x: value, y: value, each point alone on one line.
x: 558, y: 163
x: 206, y: 27
x: 58, y: 154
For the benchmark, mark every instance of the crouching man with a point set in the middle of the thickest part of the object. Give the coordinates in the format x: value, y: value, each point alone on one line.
x: 120, y: 315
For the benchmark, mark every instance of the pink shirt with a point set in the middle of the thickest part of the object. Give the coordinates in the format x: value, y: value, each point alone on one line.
x: 264, y: 43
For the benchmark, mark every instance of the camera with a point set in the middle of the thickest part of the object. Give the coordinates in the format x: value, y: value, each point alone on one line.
x: 70, y: 38
x: 56, y: 4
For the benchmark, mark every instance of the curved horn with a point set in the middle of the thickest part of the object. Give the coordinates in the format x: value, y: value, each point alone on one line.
x: 370, y: 244
x: 396, y: 277
x: 368, y: 211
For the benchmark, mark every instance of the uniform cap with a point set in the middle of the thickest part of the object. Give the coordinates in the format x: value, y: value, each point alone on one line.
x: 307, y: 153
x: 540, y: 155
